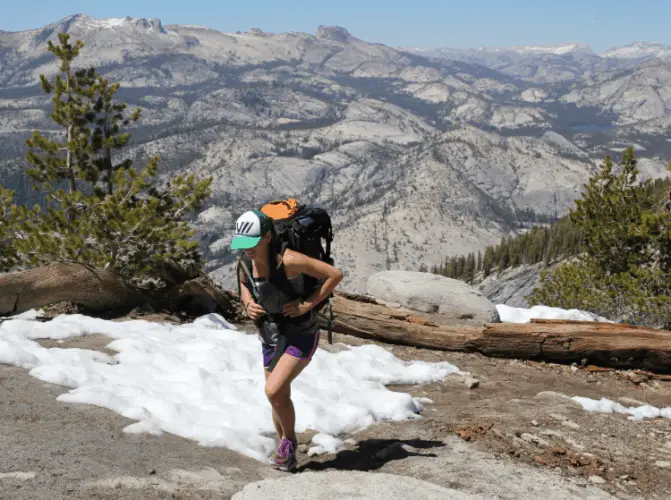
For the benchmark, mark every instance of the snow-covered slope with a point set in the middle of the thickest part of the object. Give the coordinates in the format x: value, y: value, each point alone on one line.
x: 639, y: 50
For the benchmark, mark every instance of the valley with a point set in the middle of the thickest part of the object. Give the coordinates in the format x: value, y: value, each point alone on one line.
x: 417, y: 156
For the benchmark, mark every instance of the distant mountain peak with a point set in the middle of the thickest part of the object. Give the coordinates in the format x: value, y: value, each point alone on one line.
x: 645, y: 44
x: 75, y: 17
x: 87, y: 22
x: 527, y: 50
x: 258, y: 32
x: 639, y: 50
x: 335, y: 33
x: 560, y: 49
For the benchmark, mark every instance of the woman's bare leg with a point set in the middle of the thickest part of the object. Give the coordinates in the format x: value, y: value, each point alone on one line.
x: 278, y: 391
x: 276, y: 418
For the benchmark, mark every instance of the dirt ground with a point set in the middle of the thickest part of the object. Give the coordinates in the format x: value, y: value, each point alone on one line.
x: 514, y: 436
x: 520, y: 412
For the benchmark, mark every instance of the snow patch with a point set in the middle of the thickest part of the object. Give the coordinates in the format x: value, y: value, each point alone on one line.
x: 635, y: 412
x: 509, y: 314
x: 204, y: 380
x: 325, y: 443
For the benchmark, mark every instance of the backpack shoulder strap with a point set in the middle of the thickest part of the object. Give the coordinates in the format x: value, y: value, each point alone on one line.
x: 245, y: 279
x: 278, y: 274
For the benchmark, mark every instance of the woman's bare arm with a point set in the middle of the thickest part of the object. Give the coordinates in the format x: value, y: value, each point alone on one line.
x: 297, y: 263
x: 254, y: 310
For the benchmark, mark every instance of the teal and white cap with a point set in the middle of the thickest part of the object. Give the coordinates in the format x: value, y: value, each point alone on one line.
x: 249, y: 229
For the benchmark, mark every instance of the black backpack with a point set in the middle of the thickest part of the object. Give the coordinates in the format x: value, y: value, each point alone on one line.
x: 306, y: 229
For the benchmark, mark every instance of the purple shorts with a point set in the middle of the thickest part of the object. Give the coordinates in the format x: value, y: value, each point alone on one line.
x: 301, y: 346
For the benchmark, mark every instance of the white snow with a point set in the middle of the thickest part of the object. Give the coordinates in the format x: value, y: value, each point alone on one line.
x: 635, y: 413
x: 560, y: 49
x: 32, y: 314
x: 509, y: 314
x: 639, y: 50
x: 325, y: 443
x: 112, y: 22
x: 204, y: 380
x: 554, y: 49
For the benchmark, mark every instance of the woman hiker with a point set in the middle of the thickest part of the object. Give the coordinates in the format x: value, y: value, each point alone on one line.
x: 273, y: 297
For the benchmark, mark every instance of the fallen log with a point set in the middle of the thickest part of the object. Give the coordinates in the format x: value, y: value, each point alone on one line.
x: 377, y: 322
x: 101, y: 291
x: 602, y: 344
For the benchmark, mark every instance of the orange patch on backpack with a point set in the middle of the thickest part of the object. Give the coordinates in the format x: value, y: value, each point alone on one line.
x: 281, y: 209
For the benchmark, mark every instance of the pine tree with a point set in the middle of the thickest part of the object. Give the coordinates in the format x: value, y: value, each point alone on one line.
x: 610, y: 213
x: 69, y: 90
x: 112, y: 214
x: 109, y: 118
x: 469, y: 268
x: 487, y: 261
x: 503, y: 256
x: 450, y: 267
x: 8, y: 257
x: 624, y: 272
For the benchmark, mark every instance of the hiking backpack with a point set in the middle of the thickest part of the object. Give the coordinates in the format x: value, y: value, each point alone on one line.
x: 302, y: 228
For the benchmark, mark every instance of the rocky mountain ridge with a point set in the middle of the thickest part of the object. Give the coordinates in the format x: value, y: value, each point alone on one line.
x: 553, y: 63
x: 416, y: 157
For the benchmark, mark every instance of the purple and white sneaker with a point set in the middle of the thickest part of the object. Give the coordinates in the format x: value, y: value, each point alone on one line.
x: 284, y: 458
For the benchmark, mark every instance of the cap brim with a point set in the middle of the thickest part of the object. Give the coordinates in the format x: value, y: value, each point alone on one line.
x: 244, y: 242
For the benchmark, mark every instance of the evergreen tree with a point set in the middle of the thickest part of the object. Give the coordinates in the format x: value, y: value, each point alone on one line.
x: 108, y: 117
x: 112, y: 215
x: 469, y: 269
x: 450, y: 267
x: 624, y: 272
x: 610, y: 214
x: 461, y: 267
x: 487, y: 261
x: 70, y: 107
x: 503, y: 255
x: 8, y: 257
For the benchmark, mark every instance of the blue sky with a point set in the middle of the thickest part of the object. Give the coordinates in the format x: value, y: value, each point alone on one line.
x: 419, y: 23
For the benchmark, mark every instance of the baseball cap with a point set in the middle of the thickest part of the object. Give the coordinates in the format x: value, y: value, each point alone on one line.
x: 249, y: 229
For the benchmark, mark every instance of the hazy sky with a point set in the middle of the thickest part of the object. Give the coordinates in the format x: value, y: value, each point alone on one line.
x: 418, y: 23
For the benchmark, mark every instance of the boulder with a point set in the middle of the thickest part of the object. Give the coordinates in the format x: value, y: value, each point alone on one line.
x: 447, y: 299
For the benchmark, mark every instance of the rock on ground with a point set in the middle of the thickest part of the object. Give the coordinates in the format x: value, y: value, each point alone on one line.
x: 337, y: 485
x: 447, y: 298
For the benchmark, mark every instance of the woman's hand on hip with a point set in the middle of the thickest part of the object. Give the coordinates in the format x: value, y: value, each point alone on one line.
x: 296, y: 308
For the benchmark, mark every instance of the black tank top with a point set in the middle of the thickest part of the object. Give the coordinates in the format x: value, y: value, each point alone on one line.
x: 275, y: 292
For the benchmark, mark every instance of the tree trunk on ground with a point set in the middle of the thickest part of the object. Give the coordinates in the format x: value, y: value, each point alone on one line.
x: 601, y: 344
x: 102, y: 291
x: 94, y: 289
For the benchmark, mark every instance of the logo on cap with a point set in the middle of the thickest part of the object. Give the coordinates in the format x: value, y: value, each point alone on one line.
x: 244, y: 227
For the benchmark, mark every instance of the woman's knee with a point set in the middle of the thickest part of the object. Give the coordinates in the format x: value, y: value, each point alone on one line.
x: 277, y: 393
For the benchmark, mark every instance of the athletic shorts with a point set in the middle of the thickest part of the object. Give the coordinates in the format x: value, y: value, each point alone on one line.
x: 300, y: 346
